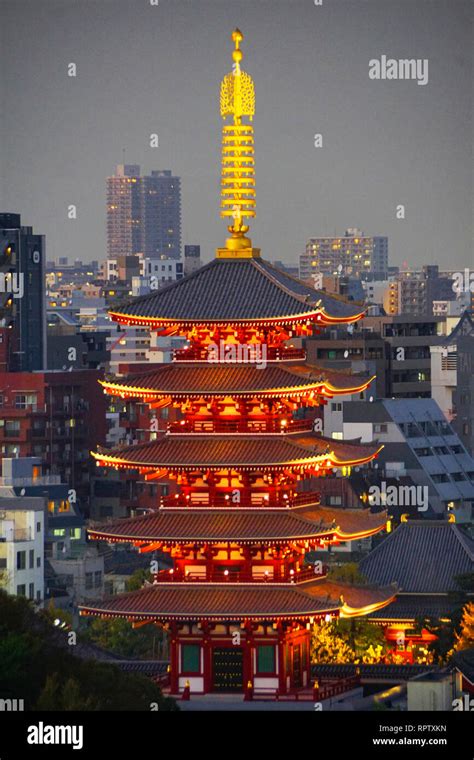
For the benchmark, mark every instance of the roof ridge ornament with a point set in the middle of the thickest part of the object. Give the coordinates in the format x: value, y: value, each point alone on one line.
x: 237, y: 100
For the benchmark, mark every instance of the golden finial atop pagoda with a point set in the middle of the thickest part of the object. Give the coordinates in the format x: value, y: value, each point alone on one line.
x: 238, y: 163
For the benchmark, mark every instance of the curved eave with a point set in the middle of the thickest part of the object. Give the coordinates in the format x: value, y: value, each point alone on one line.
x: 340, y: 535
x: 354, y: 462
x: 229, y: 602
x: 352, y: 612
x: 318, y: 317
x: 218, y: 617
x: 322, y: 388
x: 107, y: 460
x: 314, y: 531
x: 268, y: 540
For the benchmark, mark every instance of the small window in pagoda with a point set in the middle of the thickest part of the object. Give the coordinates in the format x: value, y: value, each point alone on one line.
x: 191, y: 658
x: 265, y: 658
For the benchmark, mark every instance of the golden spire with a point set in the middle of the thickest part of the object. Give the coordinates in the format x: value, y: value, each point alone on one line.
x: 238, y: 163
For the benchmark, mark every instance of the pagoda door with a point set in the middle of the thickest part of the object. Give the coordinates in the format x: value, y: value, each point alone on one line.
x: 227, y: 669
x: 296, y: 671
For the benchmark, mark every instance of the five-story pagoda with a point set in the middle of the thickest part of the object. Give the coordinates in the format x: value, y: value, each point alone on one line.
x: 239, y: 601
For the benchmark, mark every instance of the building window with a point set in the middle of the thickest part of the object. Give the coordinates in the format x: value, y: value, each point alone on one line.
x: 38, y: 561
x: 32, y: 558
x: 191, y: 658
x: 38, y: 527
x: 265, y: 658
x: 97, y: 578
x: 26, y: 400
x: 89, y: 580
x: 21, y: 590
x: 336, y: 406
x: 12, y: 428
x: 380, y: 428
x: 20, y: 560
x: 31, y: 591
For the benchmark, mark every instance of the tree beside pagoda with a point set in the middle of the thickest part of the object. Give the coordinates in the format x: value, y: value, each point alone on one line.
x: 465, y: 638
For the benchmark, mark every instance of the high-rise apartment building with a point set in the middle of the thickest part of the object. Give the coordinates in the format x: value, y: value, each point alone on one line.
x: 143, y: 213
x: 124, y: 219
x: 22, y: 296
x: 354, y: 254
x: 161, y: 215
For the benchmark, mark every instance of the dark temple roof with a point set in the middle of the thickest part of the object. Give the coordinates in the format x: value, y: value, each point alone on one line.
x: 421, y: 556
x: 463, y: 660
x: 238, y: 451
x: 227, y: 290
x: 231, y: 524
x: 189, y: 378
x: 236, y: 601
x: 411, y: 607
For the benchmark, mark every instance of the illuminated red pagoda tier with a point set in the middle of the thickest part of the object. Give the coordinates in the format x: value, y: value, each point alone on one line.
x: 240, y: 600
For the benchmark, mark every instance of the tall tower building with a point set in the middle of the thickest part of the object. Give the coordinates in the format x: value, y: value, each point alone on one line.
x: 124, y: 218
x: 22, y: 296
x: 161, y: 214
x: 143, y: 213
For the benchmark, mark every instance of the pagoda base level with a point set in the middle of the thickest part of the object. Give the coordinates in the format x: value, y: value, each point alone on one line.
x: 225, y: 658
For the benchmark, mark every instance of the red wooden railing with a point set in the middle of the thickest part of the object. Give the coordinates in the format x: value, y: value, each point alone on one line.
x: 215, y: 576
x: 200, y: 427
x: 224, y: 500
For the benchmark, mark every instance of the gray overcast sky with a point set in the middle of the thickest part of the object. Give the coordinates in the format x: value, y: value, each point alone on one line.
x: 145, y: 69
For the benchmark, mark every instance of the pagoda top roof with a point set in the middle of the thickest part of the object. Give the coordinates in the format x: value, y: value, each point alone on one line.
x: 240, y: 452
x: 236, y: 524
x: 202, y: 379
x: 238, y: 601
x: 236, y: 290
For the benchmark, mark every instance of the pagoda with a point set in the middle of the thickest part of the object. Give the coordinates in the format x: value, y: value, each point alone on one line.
x: 240, y: 599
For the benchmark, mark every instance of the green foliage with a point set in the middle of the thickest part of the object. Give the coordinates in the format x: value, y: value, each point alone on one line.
x: 37, y: 666
x: 343, y: 641
x: 138, y: 579
x: 361, y: 635
x: 118, y: 636
x: 347, y: 573
x: 465, y: 637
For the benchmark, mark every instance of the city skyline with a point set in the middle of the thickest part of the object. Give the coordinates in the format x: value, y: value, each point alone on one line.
x: 392, y: 142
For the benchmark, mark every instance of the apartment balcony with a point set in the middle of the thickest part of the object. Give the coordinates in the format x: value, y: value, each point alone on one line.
x: 15, y: 535
x: 44, y: 480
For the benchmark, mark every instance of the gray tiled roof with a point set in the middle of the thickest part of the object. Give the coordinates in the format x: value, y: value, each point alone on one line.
x: 421, y: 556
x: 415, y: 607
x: 235, y: 289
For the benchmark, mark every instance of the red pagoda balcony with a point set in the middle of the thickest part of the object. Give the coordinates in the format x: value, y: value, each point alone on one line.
x: 204, y: 500
x: 228, y: 427
x: 234, y: 576
x: 273, y: 354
